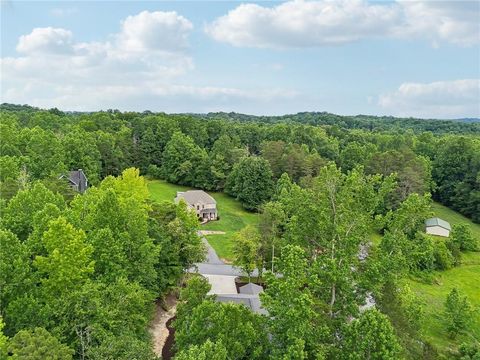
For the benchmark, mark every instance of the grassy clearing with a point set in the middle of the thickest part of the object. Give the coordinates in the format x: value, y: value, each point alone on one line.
x: 453, y: 217
x: 233, y: 217
x: 465, y: 278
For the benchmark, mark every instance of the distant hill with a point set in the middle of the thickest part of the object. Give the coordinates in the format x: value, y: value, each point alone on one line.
x: 365, y: 122
x: 469, y: 120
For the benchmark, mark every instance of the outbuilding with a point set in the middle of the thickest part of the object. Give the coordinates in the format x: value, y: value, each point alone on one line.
x: 437, y: 226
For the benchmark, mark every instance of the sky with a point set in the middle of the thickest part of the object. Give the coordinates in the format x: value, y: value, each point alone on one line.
x: 400, y: 58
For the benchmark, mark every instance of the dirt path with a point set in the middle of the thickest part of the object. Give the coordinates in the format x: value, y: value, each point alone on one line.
x: 158, y: 327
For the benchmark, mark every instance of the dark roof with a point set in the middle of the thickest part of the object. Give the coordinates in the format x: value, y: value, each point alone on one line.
x: 437, y: 222
x: 77, y: 178
x: 195, y: 197
x: 250, y: 288
x: 250, y: 301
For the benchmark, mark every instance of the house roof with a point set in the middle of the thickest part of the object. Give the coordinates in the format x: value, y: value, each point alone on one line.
x: 250, y: 301
x: 195, y: 197
x: 437, y: 222
x: 250, y: 288
x: 74, y: 176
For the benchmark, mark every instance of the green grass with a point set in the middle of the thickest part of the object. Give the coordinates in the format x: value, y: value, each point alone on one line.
x: 233, y: 217
x: 465, y: 278
x: 453, y: 217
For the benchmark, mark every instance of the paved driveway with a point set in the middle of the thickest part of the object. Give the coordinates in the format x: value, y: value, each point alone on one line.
x: 221, y: 276
x: 221, y: 284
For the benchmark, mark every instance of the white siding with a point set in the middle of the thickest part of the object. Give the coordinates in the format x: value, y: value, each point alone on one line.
x: 437, y: 230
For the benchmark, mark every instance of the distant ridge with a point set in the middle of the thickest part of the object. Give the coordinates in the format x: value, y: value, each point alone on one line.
x: 315, y: 118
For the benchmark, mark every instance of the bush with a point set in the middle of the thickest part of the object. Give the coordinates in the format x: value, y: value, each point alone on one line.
x: 457, y: 313
x: 462, y: 236
x: 455, y: 251
x: 443, y: 257
x: 154, y: 171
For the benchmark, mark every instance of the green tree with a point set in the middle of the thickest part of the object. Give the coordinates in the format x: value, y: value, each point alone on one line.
x: 15, y: 268
x: 232, y: 324
x: 9, y: 168
x: 191, y: 296
x: 181, y: 159
x: 455, y: 171
x: 207, y: 351
x: 3, y: 341
x: 413, y: 172
x: 371, y: 336
x: 355, y: 154
x: 251, y: 182
x: 246, y: 249
x: 469, y: 351
x: 19, y: 214
x: 119, y: 204
x: 296, y: 333
x: 68, y: 262
x: 82, y: 153
x: 462, y: 236
x: 331, y: 221
x: 457, y: 313
x: 38, y: 344
x: 44, y: 151
x: 183, y: 230
x: 123, y: 347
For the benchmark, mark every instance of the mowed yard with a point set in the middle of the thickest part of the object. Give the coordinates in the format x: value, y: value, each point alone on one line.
x: 465, y: 277
x: 233, y: 217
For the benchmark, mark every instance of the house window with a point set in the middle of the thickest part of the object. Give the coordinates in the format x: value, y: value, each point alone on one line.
x: 198, y: 207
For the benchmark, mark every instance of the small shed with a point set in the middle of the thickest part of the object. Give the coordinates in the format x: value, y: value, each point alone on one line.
x: 437, y: 226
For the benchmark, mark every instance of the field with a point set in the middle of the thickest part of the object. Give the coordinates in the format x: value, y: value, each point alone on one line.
x: 465, y: 278
x: 232, y: 216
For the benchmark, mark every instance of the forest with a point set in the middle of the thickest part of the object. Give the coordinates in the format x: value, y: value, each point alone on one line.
x: 79, y: 273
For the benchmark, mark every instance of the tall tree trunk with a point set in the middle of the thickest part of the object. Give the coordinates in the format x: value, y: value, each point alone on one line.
x: 332, y: 299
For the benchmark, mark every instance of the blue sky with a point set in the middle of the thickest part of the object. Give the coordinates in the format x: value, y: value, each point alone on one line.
x: 417, y: 58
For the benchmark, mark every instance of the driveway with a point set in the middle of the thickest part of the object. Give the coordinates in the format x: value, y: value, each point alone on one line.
x: 212, y: 257
x: 221, y: 284
x: 221, y: 276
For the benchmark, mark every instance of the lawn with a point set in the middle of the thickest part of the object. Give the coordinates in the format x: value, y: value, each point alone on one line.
x: 465, y: 278
x: 453, y: 217
x: 233, y: 217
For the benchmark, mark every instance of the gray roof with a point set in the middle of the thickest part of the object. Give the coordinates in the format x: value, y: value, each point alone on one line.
x: 77, y: 178
x: 437, y: 222
x: 195, y: 197
x: 250, y: 301
x: 250, y: 288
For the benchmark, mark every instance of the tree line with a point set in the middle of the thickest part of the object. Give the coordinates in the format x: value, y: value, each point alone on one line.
x: 220, y: 154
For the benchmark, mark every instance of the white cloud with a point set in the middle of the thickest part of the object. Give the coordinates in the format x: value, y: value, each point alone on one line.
x: 440, y: 99
x: 141, y: 66
x: 301, y: 23
x: 161, y: 31
x: 46, y: 40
